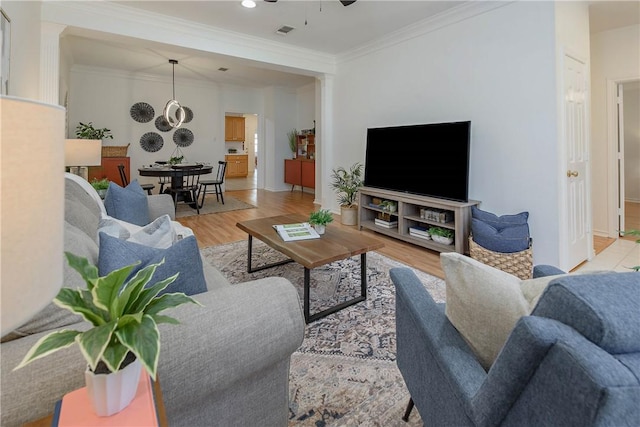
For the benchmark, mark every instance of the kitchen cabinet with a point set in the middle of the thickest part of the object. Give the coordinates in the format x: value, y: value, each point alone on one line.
x: 300, y: 172
x: 234, y: 128
x: 237, y: 165
x: 109, y: 169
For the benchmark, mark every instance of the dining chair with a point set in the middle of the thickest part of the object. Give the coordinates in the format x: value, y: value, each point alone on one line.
x: 164, y: 180
x: 216, y: 182
x: 190, y: 187
x: 125, y: 181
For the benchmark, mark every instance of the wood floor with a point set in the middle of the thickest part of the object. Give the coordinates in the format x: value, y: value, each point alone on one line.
x: 221, y: 228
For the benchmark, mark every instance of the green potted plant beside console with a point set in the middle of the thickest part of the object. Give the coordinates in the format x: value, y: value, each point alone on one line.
x: 124, y: 338
x: 346, y: 183
x: 292, y: 139
x: 320, y: 219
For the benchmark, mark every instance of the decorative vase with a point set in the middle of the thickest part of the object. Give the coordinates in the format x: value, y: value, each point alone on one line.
x: 349, y: 215
x: 442, y: 239
x: 111, y: 393
x: 320, y: 228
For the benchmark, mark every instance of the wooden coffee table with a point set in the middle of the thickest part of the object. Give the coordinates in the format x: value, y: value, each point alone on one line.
x: 336, y: 244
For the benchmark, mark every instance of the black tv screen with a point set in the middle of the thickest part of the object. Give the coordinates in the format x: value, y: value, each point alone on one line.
x: 426, y: 159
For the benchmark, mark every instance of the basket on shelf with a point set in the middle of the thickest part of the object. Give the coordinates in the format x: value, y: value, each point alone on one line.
x: 115, y: 150
x: 520, y: 264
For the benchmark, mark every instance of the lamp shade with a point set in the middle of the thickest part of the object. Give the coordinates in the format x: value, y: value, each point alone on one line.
x: 82, y: 152
x: 31, y: 207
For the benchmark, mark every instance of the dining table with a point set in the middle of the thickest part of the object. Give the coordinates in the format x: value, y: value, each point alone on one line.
x: 175, y: 172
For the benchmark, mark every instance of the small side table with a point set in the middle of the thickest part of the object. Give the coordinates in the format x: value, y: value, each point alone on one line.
x: 160, y: 410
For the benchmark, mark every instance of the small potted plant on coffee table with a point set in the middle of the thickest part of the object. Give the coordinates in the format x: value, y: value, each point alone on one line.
x: 320, y: 219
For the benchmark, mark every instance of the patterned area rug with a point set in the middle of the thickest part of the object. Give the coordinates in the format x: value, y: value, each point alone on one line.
x: 212, y: 206
x: 344, y: 374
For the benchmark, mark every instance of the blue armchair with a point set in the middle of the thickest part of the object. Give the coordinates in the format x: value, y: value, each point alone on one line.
x: 574, y: 362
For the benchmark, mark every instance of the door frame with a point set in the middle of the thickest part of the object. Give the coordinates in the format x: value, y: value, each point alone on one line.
x: 613, y: 187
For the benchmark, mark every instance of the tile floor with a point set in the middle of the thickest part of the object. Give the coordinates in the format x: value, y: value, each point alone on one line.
x: 619, y: 256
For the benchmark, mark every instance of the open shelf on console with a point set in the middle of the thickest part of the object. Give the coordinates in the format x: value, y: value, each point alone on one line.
x: 414, y: 210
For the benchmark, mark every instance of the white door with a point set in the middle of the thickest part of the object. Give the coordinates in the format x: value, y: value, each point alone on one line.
x: 620, y: 158
x: 575, y: 139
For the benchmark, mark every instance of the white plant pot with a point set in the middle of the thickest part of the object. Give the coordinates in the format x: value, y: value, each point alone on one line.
x: 349, y: 215
x: 320, y: 228
x: 111, y: 393
x: 442, y: 239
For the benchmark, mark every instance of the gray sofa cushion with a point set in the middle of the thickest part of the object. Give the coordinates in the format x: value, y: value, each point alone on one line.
x: 584, y: 302
x: 128, y: 204
x: 183, y: 257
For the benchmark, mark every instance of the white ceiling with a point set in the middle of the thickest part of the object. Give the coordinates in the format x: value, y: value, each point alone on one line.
x: 330, y: 28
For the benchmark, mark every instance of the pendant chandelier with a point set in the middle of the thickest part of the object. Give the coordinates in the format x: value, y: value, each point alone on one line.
x: 179, y: 114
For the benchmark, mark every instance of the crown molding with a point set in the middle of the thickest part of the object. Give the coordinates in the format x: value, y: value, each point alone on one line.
x: 449, y: 17
x: 127, y: 21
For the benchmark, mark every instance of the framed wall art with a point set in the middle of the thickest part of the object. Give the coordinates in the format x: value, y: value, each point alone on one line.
x: 5, y: 41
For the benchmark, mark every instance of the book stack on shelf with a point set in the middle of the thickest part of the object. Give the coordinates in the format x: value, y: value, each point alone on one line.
x: 391, y: 223
x: 420, y: 232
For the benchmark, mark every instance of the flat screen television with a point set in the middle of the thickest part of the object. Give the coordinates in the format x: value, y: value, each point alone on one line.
x: 425, y: 159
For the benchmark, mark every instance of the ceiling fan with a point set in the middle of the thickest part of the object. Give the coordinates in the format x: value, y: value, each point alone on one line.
x: 344, y: 2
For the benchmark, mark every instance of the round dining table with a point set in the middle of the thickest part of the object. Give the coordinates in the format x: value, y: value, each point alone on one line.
x: 175, y: 172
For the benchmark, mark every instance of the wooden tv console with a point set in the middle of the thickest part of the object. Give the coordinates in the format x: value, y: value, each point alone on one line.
x: 457, y: 217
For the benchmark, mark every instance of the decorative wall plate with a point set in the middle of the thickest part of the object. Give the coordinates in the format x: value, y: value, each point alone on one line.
x: 183, y: 137
x: 188, y: 114
x: 151, y: 142
x: 142, y: 112
x: 162, y: 125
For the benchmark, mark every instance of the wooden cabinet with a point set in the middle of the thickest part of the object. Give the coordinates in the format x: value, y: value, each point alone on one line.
x: 237, y: 165
x: 417, y: 211
x: 234, y: 128
x: 109, y: 169
x: 300, y: 172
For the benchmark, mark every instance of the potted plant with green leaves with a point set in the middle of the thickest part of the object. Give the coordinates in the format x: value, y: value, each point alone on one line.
x: 389, y: 206
x: 441, y: 235
x: 125, y: 315
x: 88, y: 131
x: 292, y: 138
x: 320, y: 219
x: 101, y: 186
x: 346, y: 183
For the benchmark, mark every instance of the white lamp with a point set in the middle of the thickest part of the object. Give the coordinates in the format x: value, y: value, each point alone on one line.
x: 31, y: 207
x: 80, y: 153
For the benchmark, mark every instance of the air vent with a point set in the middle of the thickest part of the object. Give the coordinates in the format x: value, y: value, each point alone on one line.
x: 284, y: 30
x: 223, y: 69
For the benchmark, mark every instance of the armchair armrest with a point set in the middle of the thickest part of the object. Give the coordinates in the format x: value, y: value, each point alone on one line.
x: 544, y: 270
x: 228, y: 361
x: 161, y: 204
x: 439, y: 368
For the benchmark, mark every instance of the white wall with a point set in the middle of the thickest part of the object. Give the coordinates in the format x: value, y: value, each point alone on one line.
x: 615, y: 55
x: 24, y: 73
x: 497, y: 70
x: 306, y: 111
x: 632, y: 143
x: 105, y: 97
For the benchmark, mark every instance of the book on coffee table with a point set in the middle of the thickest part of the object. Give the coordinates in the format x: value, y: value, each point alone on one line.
x: 297, y: 231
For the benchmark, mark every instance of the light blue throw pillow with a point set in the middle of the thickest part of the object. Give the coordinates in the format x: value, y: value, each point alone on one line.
x: 127, y: 204
x: 182, y: 257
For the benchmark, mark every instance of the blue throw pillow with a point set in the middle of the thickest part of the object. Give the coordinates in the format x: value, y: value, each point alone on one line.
x: 127, y: 204
x: 499, y: 222
x: 508, y: 240
x: 182, y: 257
